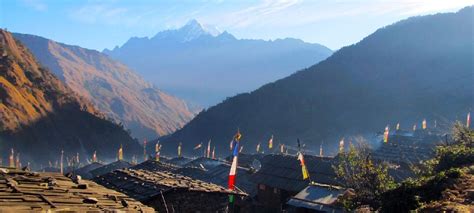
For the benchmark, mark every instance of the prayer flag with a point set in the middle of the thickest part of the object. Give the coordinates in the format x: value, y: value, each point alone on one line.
x: 303, y: 166
x: 385, y: 134
x: 120, y: 153
x: 233, y: 168
x: 270, y: 143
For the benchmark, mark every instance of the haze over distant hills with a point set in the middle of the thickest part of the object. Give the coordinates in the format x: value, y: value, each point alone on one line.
x: 40, y: 116
x: 204, y: 66
x: 417, y: 68
x: 112, y: 87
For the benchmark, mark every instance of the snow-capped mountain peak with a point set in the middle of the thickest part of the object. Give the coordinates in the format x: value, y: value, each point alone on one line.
x: 190, y: 31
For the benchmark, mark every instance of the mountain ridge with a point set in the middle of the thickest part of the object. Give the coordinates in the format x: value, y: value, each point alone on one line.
x: 41, y: 116
x: 112, y: 87
x: 393, y: 75
x: 207, y: 68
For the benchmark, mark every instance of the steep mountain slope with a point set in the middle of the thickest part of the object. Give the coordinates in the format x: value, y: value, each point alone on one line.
x: 112, y: 87
x: 205, y: 67
x: 40, y: 116
x: 422, y: 67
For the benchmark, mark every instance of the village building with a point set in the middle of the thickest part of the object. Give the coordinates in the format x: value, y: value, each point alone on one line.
x: 193, y: 172
x: 169, y: 192
x: 220, y: 175
x: 317, y: 198
x: 243, y: 181
x: 179, y: 161
x: 153, y: 166
x: 203, y: 162
x: 25, y: 191
x: 217, y: 172
x: 120, y: 164
x: 247, y: 160
x: 280, y: 178
x: 162, y: 158
x: 85, y: 171
x: 408, y: 147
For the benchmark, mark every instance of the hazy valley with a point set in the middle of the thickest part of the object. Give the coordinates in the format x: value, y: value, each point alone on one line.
x: 204, y: 67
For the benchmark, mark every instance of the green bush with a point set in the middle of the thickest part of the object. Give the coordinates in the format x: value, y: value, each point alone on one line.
x: 357, y: 171
x: 434, y: 175
x: 458, y: 154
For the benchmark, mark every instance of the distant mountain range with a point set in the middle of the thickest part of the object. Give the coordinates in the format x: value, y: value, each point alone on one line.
x: 422, y: 67
x: 40, y: 116
x: 204, y: 66
x: 112, y: 87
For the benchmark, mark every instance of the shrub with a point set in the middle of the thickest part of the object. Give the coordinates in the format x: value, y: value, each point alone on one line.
x: 357, y: 171
x: 434, y: 175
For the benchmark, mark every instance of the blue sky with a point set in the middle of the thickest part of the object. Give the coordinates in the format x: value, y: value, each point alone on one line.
x: 104, y: 24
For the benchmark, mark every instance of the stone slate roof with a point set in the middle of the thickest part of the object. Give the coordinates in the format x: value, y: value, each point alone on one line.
x: 193, y: 172
x: 179, y: 161
x: 22, y: 191
x: 145, y: 185
x: 153, y: 166
x: 110, y: 167
x: 284, y: 172
x: 406, y: 148
x: 220, y: 176
x: 246, y: 160
x: 319, y: 197
x: 207, y: 163
x: 84, y: 171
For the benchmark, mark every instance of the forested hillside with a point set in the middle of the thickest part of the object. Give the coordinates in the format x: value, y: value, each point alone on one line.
x: 414, y: 69
x: 40, y: 116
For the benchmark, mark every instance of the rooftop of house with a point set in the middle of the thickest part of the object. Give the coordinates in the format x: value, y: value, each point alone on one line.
x: 246, y: 160
x: 153, y: 165
x: 84, y: 171
x: 37, y: 191
x: 205, y: 163
x: 179, y: 161
x: 219, y: 174
x: 193, y: 172
x: 120, y: 164
x: 284, y: 171
x: 407, y: 148
x: 144, y: 185
x: 319, y: 197
x: 243, y: 180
